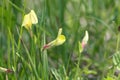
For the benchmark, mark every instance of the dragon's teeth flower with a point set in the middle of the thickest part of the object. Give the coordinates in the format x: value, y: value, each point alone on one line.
x: 29, y: 19
x: 84, y: 42
x: 5, y: 70
x: 85, y: 39
x: 58, y: 41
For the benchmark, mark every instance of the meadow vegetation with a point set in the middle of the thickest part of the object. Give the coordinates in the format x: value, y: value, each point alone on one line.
x: 59, y: 40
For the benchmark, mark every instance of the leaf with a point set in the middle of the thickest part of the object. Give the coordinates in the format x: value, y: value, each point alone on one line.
x: 109, y: 78
x: 56, y: 74
x: 116, y: 60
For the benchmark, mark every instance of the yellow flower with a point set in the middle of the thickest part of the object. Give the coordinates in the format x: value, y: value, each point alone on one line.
x: 58, y: 41
x: 29, y: 19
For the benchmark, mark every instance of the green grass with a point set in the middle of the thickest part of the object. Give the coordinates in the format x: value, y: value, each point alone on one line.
x: 21, y: 52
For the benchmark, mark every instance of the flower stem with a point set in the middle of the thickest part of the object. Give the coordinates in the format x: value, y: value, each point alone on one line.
x: 118, y: 42
x: 78, y: 63
x: 29, y: 57
x: 20, y: 36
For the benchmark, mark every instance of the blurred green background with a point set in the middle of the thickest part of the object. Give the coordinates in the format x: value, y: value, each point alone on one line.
x: 99, y: 17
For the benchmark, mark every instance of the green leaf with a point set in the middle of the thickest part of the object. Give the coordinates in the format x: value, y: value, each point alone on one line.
x: 109, y: 78
x: 116, y: 60
x: 56, y: 74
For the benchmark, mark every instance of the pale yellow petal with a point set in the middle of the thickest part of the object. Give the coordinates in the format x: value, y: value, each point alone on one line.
x: 27, y: 21
x: 86, y: 37
x: 60, y: 40
x: 33, y: 17
x: 60, y: 31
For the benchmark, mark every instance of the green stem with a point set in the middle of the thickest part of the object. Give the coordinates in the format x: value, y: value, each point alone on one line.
x: 33, y: 66
x: 78, y: 69
x: 118, y: 42
x: 29, y: 57
x: 13, y: 48
x: 45, y: 61
x: 20, y: 36
x: 78, y: 63
x: 15, y: 6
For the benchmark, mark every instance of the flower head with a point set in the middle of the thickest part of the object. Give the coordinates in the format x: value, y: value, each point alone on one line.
x: 5, y: 70
x: 29, y: 19
x: 84, y: 42
x: 85, y: 39
x: 58, y: 41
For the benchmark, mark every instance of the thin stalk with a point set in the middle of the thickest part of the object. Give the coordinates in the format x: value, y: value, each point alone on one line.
x: 20, y: 36
x: 44, y: 53
x: 118, y: 42
x: 78, y: 63
x: 29, y: 57
x: 45, y: 61
x: 15, y: 6
x: 24, y: 61
x: 13, y: 47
